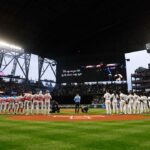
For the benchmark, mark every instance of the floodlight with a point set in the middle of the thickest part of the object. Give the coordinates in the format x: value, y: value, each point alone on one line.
x: 10, y: 47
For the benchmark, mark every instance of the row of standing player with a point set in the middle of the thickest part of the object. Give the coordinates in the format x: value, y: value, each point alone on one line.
x: 28, y: 103
x: 130, y: 103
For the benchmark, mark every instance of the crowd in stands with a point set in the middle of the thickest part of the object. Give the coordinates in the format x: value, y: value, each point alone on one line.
x: 87, y: 89
x: 13, y: 88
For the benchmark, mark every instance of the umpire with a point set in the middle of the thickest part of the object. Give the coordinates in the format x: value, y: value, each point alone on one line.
x: 77, y: 100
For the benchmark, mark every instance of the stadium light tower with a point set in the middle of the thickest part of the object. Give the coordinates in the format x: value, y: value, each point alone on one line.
x: 10, y: 47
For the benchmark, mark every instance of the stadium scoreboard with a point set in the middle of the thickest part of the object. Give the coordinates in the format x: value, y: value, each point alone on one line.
x: 91, y: 73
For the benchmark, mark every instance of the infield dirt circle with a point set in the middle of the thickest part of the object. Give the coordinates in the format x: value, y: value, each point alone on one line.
x: 81, y: 117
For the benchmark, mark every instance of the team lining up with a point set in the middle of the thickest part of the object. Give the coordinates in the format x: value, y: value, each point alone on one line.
x: 28, y: 104
x: 40, y: 103
x: 126, y: 104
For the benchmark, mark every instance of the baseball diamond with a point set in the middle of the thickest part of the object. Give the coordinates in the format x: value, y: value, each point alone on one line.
x: 74, y: 75
x: 68, y: 130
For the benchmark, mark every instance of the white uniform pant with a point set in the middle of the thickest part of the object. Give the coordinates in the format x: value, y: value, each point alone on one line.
x: 6, y: 107
x: 115, y: 107
x: 141, y: 107
x: 108, y: 106
x: 0, y: 107
x: 16, y: 107
x: 28, y: 106
x: 35, y: 106
x: 136, y: 107
x: 47, y: 106
x: 21, y: 107
x: 145, y: 107
x: 11, y: 107
x: 3, y: 106
x: 41, y: 106
x: 130, y: 108
x: 123, y: 107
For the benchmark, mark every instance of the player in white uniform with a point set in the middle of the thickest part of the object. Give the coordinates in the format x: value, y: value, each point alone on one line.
x: 123, y: 104
x: 145, y: 104
x: 136, y: 105
x: 115, y: 97
x: 1, y: 101
x: 107, y: 97
x: 141, y: 103
x: 126, y: 104
x: 131, y: 102
x: 148, y: 100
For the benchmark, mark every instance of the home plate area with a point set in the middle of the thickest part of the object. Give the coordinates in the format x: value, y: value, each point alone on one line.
x: 78, y: 117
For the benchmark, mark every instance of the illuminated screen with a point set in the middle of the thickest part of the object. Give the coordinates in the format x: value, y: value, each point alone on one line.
x: 89, y: 73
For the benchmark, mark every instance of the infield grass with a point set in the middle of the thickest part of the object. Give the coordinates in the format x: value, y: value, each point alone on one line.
x: 115, y: 135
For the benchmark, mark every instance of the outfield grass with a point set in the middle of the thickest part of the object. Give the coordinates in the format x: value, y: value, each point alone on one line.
x: 115, y: 135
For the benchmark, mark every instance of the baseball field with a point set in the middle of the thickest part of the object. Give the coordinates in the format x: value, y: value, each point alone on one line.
x: 74, y: 134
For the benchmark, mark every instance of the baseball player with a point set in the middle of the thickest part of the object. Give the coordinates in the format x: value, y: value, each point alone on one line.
x: 123, y: 105
x: 145, y: 104
x: 149, y: 101
x: 107, y: 97
x: 115, y: 97
x: 131, y: 102
x: 48, y: 99
x: 35, y: 104
x: 28, y: 102
x: 136, y: 105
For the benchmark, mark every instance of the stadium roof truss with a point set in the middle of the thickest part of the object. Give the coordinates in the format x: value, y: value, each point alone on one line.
x: 13, y: 60
x: 8, y: 58
x: 44, y: 64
